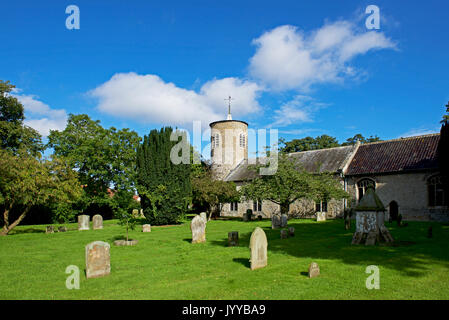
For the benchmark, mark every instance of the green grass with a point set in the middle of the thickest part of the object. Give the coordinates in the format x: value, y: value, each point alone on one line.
x: 165, y: 265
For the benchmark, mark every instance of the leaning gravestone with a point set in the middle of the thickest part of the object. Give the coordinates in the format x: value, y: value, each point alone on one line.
x: 83, y: 222
x: 98, y: 259
x: 62, y: 229
x: 284, y: 220
x: 204, y: 216
x: 146, y: 228
x: 275, y: 222
x: 50, y: 229
x: 97, y: 222
x: 314, y: 270
x: 258, y: 245
x: 233, y: 238
x: 198, y: 227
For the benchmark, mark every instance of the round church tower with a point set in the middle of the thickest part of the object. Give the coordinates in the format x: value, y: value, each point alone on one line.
x: 229, y: 145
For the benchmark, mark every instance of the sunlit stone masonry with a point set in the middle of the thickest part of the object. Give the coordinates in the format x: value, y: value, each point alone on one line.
x: 97, y: 222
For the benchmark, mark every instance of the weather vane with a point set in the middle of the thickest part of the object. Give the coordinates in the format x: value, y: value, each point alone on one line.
x: 229, y: 99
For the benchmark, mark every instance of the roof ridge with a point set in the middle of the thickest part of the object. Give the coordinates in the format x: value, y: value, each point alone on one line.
x: 402, y: 139
x: 339, y: 147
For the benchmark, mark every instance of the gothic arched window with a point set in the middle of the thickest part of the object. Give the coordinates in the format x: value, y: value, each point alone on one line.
x: 437, y: 191
x: 242, y: 140
x: 363, y: 184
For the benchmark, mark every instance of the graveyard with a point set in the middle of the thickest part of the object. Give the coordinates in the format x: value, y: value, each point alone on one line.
x: 165, y: 264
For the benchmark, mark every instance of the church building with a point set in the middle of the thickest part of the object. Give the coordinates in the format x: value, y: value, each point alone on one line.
x: 404, y: 173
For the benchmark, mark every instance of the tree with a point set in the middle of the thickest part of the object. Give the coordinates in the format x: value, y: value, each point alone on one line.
x: 104, y: 158
x: 26, y: 182
x: 14, y: 135
x: 124, y: 205
x: 361, y: 138
x: 292, y: 182
x: 164, y: 187
x: 212, y: 193
x: 308, y: 143
x: 446, y: 116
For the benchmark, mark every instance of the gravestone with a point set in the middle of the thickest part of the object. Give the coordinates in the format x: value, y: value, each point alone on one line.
x: 321, y: 216
x: 135, y: 213
x: 146, y: 228
x: 314, y: 270
x: 83, y: 222
x: 50, y: 229
x: 275, y: 222
x: 204, y: 216
x: 62, y: 229
x: 233, y: 238
x: 284, y: 220
x: 284, y: 234
x: 198, y: 228
x: 291, y: 232
x: 258, y: 245
x: 97, y: 222
x: 259, y: 217
x: 370, y: 220
x: 98, y: 259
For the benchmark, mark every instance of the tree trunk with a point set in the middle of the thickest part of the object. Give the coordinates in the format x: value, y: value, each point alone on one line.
x: 285, y: 208
x: 7, y: 228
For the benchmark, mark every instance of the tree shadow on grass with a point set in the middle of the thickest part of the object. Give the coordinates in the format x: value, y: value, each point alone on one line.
x: 243, y: 261
x: 412, y: 253
x: 27, y: 230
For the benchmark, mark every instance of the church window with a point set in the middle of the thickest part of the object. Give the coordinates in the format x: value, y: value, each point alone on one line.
x: 215, y: 141
x: 242, y: 140
x: 438, y: 191
x: 363, y: 184
x: 234, y: 206
x: 257, y: 205
x: 321, y: 206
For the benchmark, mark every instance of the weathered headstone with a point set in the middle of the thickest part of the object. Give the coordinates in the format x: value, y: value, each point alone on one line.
x: 83, y: 222
x: 284, y: 234
x: 284, y: 220
x: 97, y: 222
x: 258, y: 245
x: 275, y: 222
x: 50, y: 229
x: 233, y: 238
x: 62, y: 229
x: 314, y: 270
x: 135, y: 213
x: 370, y: 220
x: 198, y: 228
x: 98, y: 259
x: 321, y: 216
x: 124, y: 242
x: 204, y: 216
x: 259, y: 217
x: 291, y: 232
x: 146, y: 228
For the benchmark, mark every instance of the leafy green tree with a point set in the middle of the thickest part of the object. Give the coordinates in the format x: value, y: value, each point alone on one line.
x: 14, y: 135
x: 26, y: 182
x: 361, y: 138
x: 292, y: 182
x: 164, y: 187
x: 104, y: 158
x: 211, y: 193
x: 308, y: 143
x: 124, y: 205
x: 446, y: 116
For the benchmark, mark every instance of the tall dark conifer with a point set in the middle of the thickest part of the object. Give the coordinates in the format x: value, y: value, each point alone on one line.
x: 164, y: 187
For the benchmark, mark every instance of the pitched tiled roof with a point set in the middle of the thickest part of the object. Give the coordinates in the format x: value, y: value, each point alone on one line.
x: 398, y: 155
x: 326, y: 160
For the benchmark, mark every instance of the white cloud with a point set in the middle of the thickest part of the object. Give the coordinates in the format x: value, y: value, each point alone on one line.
x: 40, y: 116
x: 149, y: 99
x: 298, y: 110
x: 288, y: 58
x: 418, y: 132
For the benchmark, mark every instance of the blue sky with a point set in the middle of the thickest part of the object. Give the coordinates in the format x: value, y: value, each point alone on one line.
x: 302, y: 67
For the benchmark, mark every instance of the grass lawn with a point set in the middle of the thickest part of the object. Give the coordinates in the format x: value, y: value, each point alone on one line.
x: 165, y: 265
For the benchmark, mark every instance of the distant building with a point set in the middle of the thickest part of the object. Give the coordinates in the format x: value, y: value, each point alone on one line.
x: 404, y: 173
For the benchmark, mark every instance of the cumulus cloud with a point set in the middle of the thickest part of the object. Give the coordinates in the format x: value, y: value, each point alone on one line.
x: 298, y: 110
x: 288, y: 58
x: 40, y: 116
x: 149, y: 99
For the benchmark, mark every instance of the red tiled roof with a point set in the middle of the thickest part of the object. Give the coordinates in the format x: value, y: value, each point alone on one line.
x: 399, y: 155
